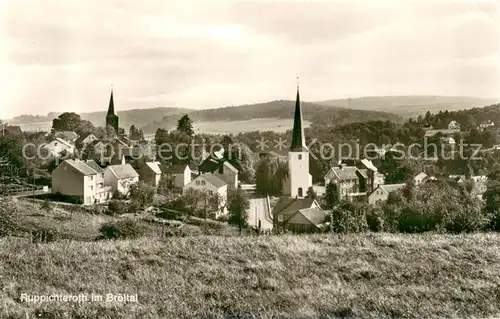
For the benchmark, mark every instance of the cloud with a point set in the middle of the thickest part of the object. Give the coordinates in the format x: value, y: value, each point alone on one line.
x: 65, y: 55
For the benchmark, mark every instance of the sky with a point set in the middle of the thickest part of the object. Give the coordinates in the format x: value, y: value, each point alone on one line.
x: 60, y: 55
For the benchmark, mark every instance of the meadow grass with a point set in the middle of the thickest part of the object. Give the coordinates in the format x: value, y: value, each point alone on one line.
x: 307, y: 276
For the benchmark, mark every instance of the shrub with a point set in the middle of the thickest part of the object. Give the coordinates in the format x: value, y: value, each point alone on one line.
x: 122, y: 229
x: 348, y: 217
x: 116, y: 206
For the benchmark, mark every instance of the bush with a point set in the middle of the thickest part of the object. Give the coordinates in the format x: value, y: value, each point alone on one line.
x: 349, y: 217
x: 122, y: 229
x: 116, y: 206
x: 168, y: 213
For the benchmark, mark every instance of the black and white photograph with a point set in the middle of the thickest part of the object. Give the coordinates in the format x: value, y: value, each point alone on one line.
x: 249, y: 159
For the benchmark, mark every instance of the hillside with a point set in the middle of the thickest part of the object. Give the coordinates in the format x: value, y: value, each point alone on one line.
x: 138, y: 117
x: 283, y: 109
x: 410, y: 106
x: 317, y: 276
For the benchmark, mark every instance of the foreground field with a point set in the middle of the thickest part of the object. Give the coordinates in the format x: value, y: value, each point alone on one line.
x: 316, y: 276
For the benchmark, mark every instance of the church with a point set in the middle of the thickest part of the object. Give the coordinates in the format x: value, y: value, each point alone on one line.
x: 111, y: 117
x: 294, y: 211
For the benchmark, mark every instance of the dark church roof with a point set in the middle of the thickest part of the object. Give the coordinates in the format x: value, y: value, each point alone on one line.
x: 298, y: 139
x: 111, y: 107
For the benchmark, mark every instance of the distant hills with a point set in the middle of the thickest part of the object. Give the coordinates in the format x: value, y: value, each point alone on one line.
x: 330, y: 112
x: 138, y: 117
x: 411, y: 105
x: 282, y: 109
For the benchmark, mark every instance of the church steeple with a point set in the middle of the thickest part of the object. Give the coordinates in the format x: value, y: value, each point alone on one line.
x: 298, y: 139
x: 111, y: 107
x: 111, y: 118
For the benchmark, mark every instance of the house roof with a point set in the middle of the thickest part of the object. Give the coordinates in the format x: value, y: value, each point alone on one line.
x: 363, y: 172
x: 154, y: 166
x: 67, y: 135
x: 210, y: 165
x: 389, y: 188
x: 13, y: 129
x: 214, y: 180
x: 230, y: 167
x: 94, y: 166
x: 314, y: 214
x: 421, y: 175
x: 287, y: 206
x: 369, y: 165
x: 123, y: 171
x: 81, y: 166
x: 176, y: 168
x: 60, y: 140
x: 344, y: 172
x: 211, y: 179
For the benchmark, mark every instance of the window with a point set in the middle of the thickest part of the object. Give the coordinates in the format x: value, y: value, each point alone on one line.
x: 300, y: 156
x: 299, y: 192
x: 91, y: 187
x: 203, y: 183
x: 102, y: 175
x: 197, y: 182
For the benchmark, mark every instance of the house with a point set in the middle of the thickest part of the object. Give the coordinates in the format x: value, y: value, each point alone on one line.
x: 120, y: 177
x: 14, y: 130
x: 211, y: 184
x: 150, y: 173
x: 454, y: 125
x: 486, y: 124
x: 368, y: 171
x: 419, y: 178
x: 69, y: 136
x: 58, y: 147
x: 447, y: 140
x: 298, y: 214
x: 177, y: 175
x: 223, y: 169
x: 381, y: 193
x: 378, y: 179
x: 82, y: 179
x: 89, y: 139
x: 350, y: 181
x: 458, y: 178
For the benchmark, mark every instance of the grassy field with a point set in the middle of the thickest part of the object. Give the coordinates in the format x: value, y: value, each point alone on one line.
x: 316, y: 276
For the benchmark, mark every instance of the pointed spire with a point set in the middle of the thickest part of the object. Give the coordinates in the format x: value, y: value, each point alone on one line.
x: 298, y: 139
x: 111, y: 107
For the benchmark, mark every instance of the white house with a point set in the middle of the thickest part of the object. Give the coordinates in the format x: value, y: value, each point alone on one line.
x: 59, y: 146
x: 212, y: 184
x: 150, y: 173
x: 419, y: 178
x: 454, y: 125
x: 298, y: 214
x: 178, y: 175
x: 69, y: 136
x: 89, y: 139
x: 381, y: 193
x: 120, y: 177
x: 82, y: 179
x: 486, y: 124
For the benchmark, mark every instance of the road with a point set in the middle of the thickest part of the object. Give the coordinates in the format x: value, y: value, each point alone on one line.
x: 259, y: 210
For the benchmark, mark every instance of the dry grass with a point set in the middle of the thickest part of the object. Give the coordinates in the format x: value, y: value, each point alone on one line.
x: 371, y: 275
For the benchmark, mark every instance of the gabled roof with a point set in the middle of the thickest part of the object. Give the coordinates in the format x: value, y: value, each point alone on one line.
x: 389, y: 188
x: 344, y: 172
x: 123, y: 171
x: 67, y: 135
x: 314, y: 214
x: 420, y: 175
x: 81, y: 167
x: 13, y: 129
x: 94, y: 166
x: 230, y: 167
x: 369, y: 165
x: 211, y: 179
x: 210, y: 165
x: 60, y: 140
x: 287, y: 206
x: 154, y: 166
x: 176, y: 168
x: 363, y: 172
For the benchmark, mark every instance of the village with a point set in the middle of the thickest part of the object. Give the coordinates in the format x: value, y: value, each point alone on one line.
x: 114, y: 167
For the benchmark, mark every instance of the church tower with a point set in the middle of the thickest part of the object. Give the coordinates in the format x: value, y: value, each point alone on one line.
x: 111, y: 118
x: 299, y: 179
